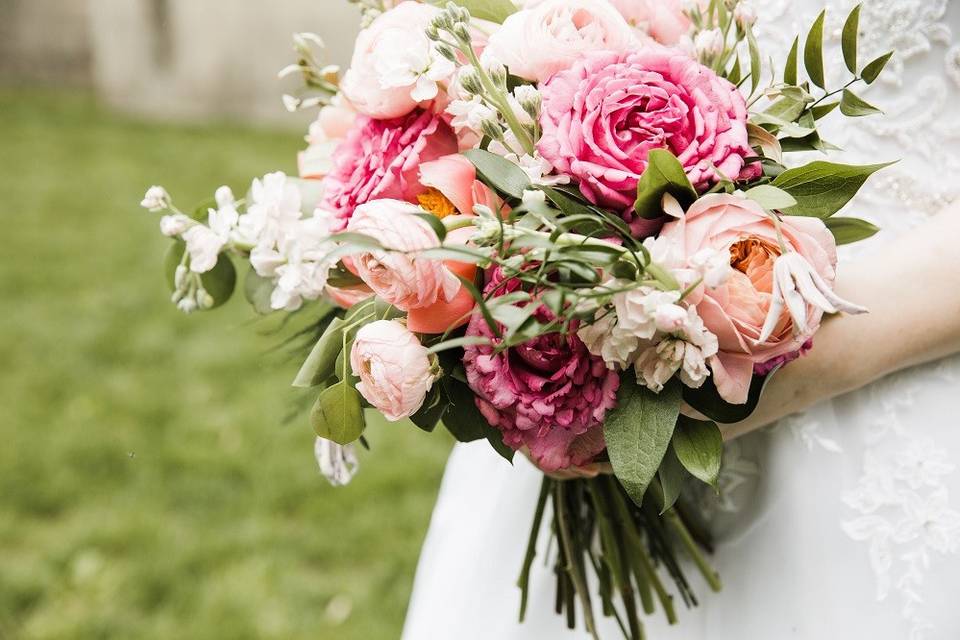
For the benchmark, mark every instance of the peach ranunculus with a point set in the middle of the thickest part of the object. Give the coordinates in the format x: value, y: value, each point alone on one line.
x: 736, y: 310
x: 396, y: 273
x: 444, y: 315
x: 394, y: 368
x: 394, y: 67
x: 452, y: 187
x: 663, y: 20
x: 537, y: 42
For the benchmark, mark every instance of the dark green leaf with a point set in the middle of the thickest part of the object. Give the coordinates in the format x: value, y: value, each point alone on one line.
x: 638, y: 432
x: 430, y: 414
x: 874, y: 68
x: 492, y: 10
x: 849, y: 39
x: 813, y: 52
x: 823, y: 188
x: 499, y: 173
x: 664, y: 174
x: 699, y: 447
x: 790, y: 70
x: 854, y: 106
x: 848, y: 230
x: 435, y: 223
x: 707, y: 401
x: 319, y: 365
x: 337, y: 414
x: 672, y: 478
x: 464, y: 420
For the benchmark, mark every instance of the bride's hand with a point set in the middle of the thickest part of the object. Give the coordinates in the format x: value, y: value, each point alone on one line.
x: 584, y: 472
x: 912, y: 289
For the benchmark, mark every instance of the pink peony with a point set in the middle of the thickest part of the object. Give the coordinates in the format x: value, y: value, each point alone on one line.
x: 736, y: 310
x: 381, y: 159
x: 372, y: 84
x: 539, y: 41
x: 663, y: 20
x: 397, y: 274
x: 394, y: 368
x: 603, y: 116
x: 549, y: 394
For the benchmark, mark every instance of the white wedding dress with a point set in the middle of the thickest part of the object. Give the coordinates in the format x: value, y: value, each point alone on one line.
x: 843, y: 522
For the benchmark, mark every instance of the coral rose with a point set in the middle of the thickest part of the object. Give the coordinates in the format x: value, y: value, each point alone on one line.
x: 394, y: 368
x: 548, y: 394
x: 736, y: 310
x: 381, y: 159
x: 397, y: 274
x: 537, y: 42
x: 602, y: 117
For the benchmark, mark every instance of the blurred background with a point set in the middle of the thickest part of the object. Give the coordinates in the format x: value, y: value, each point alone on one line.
x: 151, y: 483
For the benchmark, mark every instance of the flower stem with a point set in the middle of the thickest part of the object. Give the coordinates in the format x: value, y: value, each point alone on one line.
x: 576, y: 576
x: 709, y: 573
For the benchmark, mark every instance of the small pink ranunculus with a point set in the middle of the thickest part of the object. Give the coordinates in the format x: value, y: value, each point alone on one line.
x: 549, y: 394
x: 394, y: 368
x: 663, y: 20
x: 736, y: 310
x: 377, y: 46
x: 381, y: 159
x: 602, y: 117
x: 538, y: 42
x: 396, y: 273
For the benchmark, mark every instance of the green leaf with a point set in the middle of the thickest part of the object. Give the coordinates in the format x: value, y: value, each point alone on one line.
x: 770, y: 197
x: 664, y: 174
x: 847, y: 230
x: 464, y: 420
x: 672, y: 478
x: 760, y: 138
x: 813, y: 52
x: 707, y: 400
x: 790, y: 70
x: 823, y: 188
x: 822, y: 110
x: 874, y: 68
x: 849, y: 39
x: 735, y: 75
x: 430, y: 414
x: 854, y: 106
x: 755, y: 66
x: 319, y: 365
x: 219, y: 282
x: 638, y: 432
x: 435, y: 223
x: 499, y: 173
x: 337, y: 414
x: 257, y: 291
x: 492, y: 10
x: 699, y: 447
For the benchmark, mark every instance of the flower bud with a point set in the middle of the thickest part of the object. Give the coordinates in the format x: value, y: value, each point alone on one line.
x: 470, y: 81
x: 745, y: 14
x: 709, y: 43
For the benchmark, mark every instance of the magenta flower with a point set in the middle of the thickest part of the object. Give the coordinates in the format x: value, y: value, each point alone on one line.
x: 602, y: 117
x: 381, y: 159
x: 548, y: 394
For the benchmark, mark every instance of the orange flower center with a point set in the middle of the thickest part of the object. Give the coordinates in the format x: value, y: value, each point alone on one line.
x: 754, y: 258
x: 436, y: 203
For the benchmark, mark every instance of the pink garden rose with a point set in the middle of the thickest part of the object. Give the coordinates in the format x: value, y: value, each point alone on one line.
x: 537, y: 42
x: 736, y: 310
x: 394, y: 368
x: 602, y: 117
x: 663, y: 20
x: 381, y: 159
x: 396, y: 274
x: 372, y: 84
x: 549, y: 394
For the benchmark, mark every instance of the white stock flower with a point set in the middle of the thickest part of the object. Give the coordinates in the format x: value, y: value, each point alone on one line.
x: 203, y: 245
x: 274, y: 204
x: 155, y: 199
x: 410, y: 60
x: 713, y: 266
x: 797, y: 285
x: 638, y: 310
x: 603, y: 338
x: 338, y: 463
x: 174, y: 224
x: 745, y: 14
x: 709, y: 43
x: 685, y: 351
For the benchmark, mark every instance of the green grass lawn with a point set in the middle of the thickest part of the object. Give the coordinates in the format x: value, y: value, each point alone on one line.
x: 149, y: 487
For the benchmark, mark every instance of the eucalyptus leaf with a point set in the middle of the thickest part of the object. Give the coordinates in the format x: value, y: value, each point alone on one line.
x: 320, y: 364
x: 638, y: 432
x: 664, y: 174
x: 874, y: 68
x: 854, y: 106
x: 770, y: 197
x: 492, y: 10
x: 699, y: 448
x: 823, y: 188
x: 499, y: 173
x: 847, y: 230
x: 849, y: 39
x: 337, y: 414
x: 813, y: 52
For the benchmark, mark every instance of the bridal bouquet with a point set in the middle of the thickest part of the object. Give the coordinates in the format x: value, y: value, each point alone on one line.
x: 568, y: 228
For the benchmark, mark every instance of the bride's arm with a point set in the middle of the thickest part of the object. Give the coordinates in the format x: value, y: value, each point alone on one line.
x: 913, y: 292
